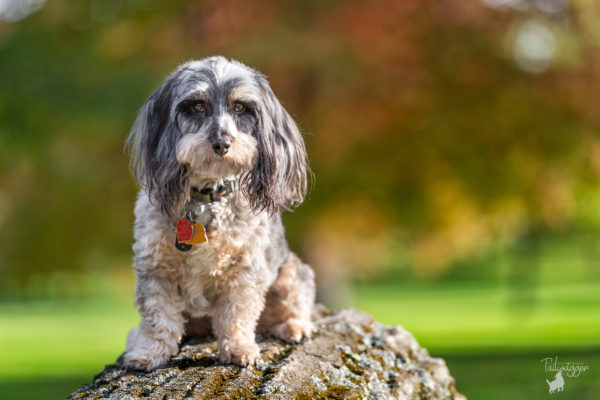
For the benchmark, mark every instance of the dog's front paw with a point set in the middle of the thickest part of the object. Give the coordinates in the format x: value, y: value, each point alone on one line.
x: 143, y: 362
x: 293, y: 330
x: 239, y: 352
x: 145, y: 353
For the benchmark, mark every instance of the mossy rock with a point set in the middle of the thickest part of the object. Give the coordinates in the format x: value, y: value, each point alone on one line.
x: 350, y: 356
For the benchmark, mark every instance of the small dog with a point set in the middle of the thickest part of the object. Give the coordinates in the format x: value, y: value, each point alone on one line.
x: 218, y: 159
x: 557, y: 384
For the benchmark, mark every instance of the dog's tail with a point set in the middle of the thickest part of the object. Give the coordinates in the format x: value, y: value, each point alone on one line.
x: 548, y: 382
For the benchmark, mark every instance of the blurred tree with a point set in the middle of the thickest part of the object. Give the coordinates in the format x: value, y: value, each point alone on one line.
x: 434, y: 128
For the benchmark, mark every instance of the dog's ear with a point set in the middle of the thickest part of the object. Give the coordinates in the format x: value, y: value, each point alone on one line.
x: 152, y: 143
x: 279, y: 178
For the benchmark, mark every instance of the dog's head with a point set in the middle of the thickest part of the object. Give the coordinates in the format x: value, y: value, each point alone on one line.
x: 215, y: 119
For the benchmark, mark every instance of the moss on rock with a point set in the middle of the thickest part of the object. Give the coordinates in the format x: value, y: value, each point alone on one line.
x: 351, y: 356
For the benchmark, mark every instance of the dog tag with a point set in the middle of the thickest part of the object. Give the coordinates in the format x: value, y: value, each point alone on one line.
x: 182, y: 246
x: 199, y: 235
x: 185, y: 231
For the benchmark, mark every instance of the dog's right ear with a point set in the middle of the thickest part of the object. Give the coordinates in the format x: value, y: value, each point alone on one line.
x: 152, y: 143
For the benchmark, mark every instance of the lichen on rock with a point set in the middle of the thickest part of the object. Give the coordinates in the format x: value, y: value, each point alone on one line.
x: 350, y: 356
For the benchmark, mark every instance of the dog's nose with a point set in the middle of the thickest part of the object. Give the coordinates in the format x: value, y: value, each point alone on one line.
x: 221, y: 147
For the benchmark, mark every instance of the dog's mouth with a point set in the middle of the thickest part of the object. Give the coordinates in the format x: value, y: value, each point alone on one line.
x: 202, y: 159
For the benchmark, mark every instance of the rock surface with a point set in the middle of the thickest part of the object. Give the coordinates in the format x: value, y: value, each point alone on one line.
x: 349, y: 357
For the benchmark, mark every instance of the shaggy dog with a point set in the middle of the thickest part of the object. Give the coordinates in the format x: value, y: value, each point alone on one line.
x: 218, y: 159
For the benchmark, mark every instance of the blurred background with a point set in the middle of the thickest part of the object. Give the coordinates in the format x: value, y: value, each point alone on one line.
x: 455, y: 146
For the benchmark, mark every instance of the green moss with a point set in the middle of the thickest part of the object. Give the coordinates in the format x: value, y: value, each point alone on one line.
x: 216, y: 386
x: 352, y: 364
x: 141, y: 392
x: 379, y: 359
x: 333, y: 392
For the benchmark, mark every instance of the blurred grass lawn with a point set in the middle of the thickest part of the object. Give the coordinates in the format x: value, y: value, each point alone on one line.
x: 51, y: 348
x: 493, y: 351
x: 467, y: 319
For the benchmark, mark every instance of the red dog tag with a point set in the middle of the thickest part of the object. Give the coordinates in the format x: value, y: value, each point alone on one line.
x: 184, y: 231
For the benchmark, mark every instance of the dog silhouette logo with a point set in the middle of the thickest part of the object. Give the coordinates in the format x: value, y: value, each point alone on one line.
x: 557, y: 384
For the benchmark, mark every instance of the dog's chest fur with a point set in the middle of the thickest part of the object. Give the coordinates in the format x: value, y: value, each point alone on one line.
x: 240, y: 246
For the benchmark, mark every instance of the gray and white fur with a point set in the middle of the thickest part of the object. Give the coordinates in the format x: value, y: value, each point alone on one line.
x: 215, y: 120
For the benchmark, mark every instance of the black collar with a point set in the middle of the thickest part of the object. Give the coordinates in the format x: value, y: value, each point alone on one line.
x: 209, y: 195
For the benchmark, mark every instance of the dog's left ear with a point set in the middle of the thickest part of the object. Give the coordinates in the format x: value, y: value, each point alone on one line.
x: 279, y: 178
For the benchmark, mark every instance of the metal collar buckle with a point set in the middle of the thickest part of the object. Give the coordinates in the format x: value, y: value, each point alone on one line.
x: 209, y: 195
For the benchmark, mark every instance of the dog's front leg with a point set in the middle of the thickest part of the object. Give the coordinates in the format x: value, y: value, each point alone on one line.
x: 236, y: 312
x: 156, y: 339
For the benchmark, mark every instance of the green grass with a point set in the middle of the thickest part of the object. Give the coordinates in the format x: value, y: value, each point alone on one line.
x: 492, y: 345
x: 61, y: 339
x: 519, y: 375
x: 463, y: 318
x: 40, y: 388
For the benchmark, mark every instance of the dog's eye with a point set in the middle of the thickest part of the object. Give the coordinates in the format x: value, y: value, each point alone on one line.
x: 238, y: 107
x: 198, y: 107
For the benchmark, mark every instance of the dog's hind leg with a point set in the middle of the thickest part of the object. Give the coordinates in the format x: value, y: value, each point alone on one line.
x: 289, y: 302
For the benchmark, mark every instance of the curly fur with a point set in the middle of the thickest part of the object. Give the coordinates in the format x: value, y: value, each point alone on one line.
x: 244, y: 278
